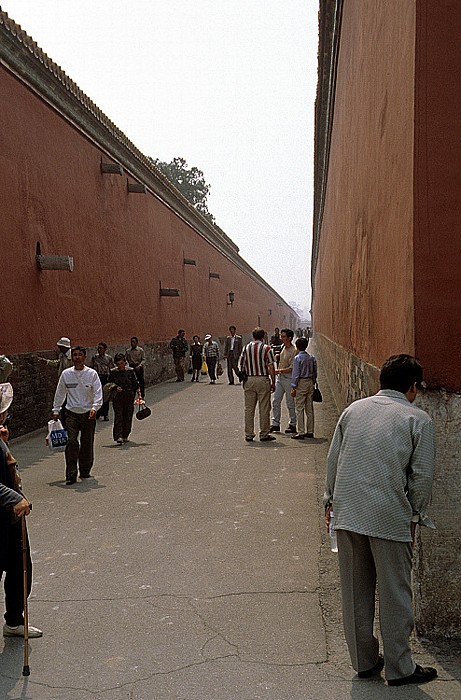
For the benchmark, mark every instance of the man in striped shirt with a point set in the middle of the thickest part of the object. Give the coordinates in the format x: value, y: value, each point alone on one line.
x: 379, y: 478
x: 257, y: 361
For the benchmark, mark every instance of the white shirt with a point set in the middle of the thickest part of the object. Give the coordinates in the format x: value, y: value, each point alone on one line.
x: 82, y: 388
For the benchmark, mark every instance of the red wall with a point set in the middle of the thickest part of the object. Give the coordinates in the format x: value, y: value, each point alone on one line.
x: 437, y: 196
x: 123, y: 244
x: 363, y: 296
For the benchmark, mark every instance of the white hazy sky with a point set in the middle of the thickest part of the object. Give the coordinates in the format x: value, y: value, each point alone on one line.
x: 229, y: 85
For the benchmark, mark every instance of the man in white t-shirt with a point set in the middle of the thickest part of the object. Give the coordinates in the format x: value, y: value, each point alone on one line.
x: 81, y: 387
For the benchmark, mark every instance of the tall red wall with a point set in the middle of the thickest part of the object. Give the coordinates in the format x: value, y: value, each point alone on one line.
x: 437, y: 197
x: 124, y: 245
x: 363, y: 293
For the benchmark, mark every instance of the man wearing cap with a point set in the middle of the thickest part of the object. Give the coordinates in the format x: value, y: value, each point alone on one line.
x: 82, y: 387
x: 62, y: 362
x: 13, y: 506
x: 211, y: 356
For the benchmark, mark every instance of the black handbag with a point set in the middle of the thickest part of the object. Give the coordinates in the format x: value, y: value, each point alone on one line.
x: 317, y: 394
x: 143, y: 411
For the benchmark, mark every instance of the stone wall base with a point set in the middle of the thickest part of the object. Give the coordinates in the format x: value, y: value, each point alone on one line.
x: 437, y: 553
x: 34, y: 384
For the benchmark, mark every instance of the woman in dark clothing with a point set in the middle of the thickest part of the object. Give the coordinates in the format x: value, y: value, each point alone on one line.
x: 196, y: 350
x: 127, y: 388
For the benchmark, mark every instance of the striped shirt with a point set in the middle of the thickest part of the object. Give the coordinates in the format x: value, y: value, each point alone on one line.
x: 380, y: 467
x: 256, y: 358
x: 211, y: 350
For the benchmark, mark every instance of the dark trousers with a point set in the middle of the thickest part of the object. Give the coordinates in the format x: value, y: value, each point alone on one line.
x: 104, y: 410
x: 13, y: 583
x: 123, y: 414
x: 140, y: 377
x: 211, y: 364
x: 79, y: 455
x: 232, y: 366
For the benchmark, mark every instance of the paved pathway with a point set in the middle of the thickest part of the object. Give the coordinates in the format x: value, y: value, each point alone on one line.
x: 193, y: 566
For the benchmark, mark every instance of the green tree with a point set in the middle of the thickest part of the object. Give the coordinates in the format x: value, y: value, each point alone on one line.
x: 189, y: 181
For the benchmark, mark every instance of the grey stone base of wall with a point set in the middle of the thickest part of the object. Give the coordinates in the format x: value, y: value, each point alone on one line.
x: 437, y: 553
x: 34, y: 384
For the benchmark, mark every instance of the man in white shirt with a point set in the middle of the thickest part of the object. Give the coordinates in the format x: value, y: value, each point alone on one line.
x: 81, y: 386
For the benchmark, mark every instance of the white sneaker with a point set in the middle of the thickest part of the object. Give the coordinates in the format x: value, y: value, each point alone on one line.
x: 119, y: 441
x: 18, y: 631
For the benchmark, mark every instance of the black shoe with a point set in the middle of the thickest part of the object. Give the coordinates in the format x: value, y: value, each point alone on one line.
x: 249, y: 439
x: 69, y: 482
x: 300, y: 436
x: 274, y: 429
x: 420, y: 675
x: 231, y: 383
x: 377, y: 668
x: 267, y: 438
x: 310, y: 435
x: 291, y: 429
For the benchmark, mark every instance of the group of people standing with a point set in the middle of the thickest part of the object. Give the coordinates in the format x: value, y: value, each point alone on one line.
x: 290, y: 371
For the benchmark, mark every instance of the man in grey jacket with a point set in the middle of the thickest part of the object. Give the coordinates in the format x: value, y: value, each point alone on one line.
x: 379, y: 478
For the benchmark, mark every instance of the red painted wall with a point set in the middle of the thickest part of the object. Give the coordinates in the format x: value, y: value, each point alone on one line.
x: 123, y: 244
x: 363, y: 296
x: 437, y: 195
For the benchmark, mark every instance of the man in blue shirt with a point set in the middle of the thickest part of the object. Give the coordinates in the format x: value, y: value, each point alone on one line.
x: 303, y: 378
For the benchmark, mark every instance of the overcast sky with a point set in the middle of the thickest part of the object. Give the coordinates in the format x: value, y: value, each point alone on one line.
x: 229, y: 85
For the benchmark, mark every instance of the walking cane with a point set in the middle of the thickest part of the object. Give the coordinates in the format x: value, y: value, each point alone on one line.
x: 26, y: 669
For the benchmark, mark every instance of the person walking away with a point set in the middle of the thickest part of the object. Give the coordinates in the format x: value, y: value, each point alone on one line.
x: 196, y: 352
x: 211, y: 356
x: 283, y: 384
x: 81, y: 387
x: 257, y: 362
x: 303, y: 378
x: 123, y: 402
x: 232, y: 351
x: 179, y: 346
x: 102, y: 363
x: 137, y: 361
x: 13, y: 507
x: 380, y: 468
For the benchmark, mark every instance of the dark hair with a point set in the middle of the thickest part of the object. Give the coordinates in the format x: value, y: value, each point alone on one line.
x: 276, y: 329
x: 232, y: 327
x: 78, y: 347
x: 258, y: 333
x: 104, y: 345
x: 195, y: 336
x: 133, y: 337
x: 400, y: 372
x: 288, y: 332
x: 302, y: 343
x: 119, y: 356
x: 181, y: 330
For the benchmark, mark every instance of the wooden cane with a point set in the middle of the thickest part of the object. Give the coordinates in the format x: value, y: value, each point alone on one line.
x: 26, y: 669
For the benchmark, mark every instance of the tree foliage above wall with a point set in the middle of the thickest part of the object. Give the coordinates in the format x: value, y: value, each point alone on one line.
x: 189, y: 181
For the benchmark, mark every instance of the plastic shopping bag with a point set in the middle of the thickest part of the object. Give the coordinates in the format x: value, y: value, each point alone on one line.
x: 57, y: 436
x: 204, y: 369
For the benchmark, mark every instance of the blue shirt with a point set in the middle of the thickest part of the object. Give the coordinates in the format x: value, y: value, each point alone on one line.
x: 304, y: 367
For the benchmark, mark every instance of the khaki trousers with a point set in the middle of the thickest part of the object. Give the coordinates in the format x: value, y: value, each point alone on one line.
x: 363, y: 562
x: 303, y: 403
x: 257, y: 392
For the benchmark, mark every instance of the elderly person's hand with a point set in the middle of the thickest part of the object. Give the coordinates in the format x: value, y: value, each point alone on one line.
x: 4, y: 433
x: 21, y: 508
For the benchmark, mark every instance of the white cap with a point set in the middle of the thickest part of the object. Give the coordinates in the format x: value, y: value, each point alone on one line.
x: 64, y: 342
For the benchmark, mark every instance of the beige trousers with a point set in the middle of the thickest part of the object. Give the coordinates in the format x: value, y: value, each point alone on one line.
x: 303, y: 403
x: 257, y: 392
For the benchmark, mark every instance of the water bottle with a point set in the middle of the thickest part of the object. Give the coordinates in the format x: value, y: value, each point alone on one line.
x: 332, y: 531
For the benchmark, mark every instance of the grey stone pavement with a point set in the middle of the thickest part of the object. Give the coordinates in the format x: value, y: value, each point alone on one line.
x: 194, y: 566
